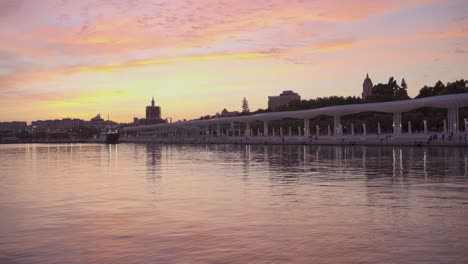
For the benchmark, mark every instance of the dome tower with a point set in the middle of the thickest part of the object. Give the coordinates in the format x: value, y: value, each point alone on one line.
x: 367, y: 87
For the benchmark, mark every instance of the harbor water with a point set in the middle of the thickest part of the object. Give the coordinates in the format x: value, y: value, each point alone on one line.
x: 152, y: 203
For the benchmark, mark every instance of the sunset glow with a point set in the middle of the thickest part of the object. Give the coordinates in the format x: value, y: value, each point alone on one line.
x: 79, y: 58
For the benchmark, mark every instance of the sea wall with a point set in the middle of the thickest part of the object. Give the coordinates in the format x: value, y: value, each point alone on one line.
x: 385, y: 140
x: 48, y: 141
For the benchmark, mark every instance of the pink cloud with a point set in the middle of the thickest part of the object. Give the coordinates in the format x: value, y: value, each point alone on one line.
x: 119, y: 27
x: 115, y: 30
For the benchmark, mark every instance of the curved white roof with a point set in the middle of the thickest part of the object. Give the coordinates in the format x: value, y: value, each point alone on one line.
x: 444, y: 101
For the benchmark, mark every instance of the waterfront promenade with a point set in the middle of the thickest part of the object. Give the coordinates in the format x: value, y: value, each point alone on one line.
x: 238, y: 129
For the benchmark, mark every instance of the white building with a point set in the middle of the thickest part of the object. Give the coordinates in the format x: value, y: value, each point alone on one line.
x: 275, y: 102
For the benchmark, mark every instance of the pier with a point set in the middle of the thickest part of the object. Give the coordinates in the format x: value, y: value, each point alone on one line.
x: 239, y: 129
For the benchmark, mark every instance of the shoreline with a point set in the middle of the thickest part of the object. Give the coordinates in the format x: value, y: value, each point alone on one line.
x: 325, y: 141
x: 61, y: 141
x: 330, y: 141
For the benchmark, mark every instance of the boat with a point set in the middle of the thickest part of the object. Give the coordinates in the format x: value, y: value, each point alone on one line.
x: 112, y: 137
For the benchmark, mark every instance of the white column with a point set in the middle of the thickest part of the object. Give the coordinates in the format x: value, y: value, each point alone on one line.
x: 247, y: 130
x: 364, y: 130
x: 337, y: 125
x: 425, y: 127
x: 218, y: 130
x: 397, y: 123
x: 466, y: 125
x: 317, y: 128
x: 379, y: 129
x: 232, y: 130
x: 306, y: 127
x: 352, y: 129
x: 449, y: 119
x: 410, y: 131
x: 281, y: 131
x: 452, y: 119
x: 445, y: 126
x: 299, y: 131
x: 290, y: 131
x: 265, y: 128
x: 329, y: 130
x: 273, y: 132
x: 258, y: 132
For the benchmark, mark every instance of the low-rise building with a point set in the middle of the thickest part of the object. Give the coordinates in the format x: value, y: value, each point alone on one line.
x: 286, y: 97
x: 99, y: 123
x: 13, y: 126
x: 225, y: 112
x: 71, y: 124
x: 57, y: 124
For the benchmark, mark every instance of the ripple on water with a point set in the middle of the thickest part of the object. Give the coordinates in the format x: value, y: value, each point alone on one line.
x: 149, y: 203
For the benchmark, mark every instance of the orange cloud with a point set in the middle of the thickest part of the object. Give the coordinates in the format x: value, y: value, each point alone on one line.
x: 117, y: 66
x: 37, y: 75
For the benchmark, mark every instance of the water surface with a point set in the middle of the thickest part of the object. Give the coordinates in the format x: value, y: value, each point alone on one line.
x: 147, y: 203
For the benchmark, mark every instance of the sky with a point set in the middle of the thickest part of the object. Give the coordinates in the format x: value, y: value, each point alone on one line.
x: 67, y: 58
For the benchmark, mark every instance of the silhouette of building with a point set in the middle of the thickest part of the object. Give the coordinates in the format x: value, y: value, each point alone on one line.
x: 13, y: 126
x: 71, y: 124
x: 153, y: 116
x: 97, y: 122
x: 367, y: 87
x: 97, y: 119
x: 286, y: 97
x: 57, y: 124
x: 152, y: 111
x: 225, y: 112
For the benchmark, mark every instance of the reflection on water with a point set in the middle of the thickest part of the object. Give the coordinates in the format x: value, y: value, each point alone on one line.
x: 137, y: 203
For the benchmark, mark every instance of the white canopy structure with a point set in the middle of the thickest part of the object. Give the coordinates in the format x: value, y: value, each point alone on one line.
x: 452, y: 102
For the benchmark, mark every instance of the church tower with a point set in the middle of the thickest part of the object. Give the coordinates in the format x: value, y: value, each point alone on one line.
x: 367, y: 87
x: 153, y: 112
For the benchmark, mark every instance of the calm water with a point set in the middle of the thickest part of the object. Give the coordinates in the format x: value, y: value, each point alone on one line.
x: 138, y: 203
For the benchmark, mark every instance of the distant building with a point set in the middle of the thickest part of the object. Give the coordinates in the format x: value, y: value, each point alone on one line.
x: 13, y: 126
x: 57, y: 124
x: 139, y: 121
x: 225, y: 112
x: 153, y: 112
x: 367, y: 87
x: 286, y: 97
x: 97, y: 122
x: 153, y: 116
x: 69, y: 124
